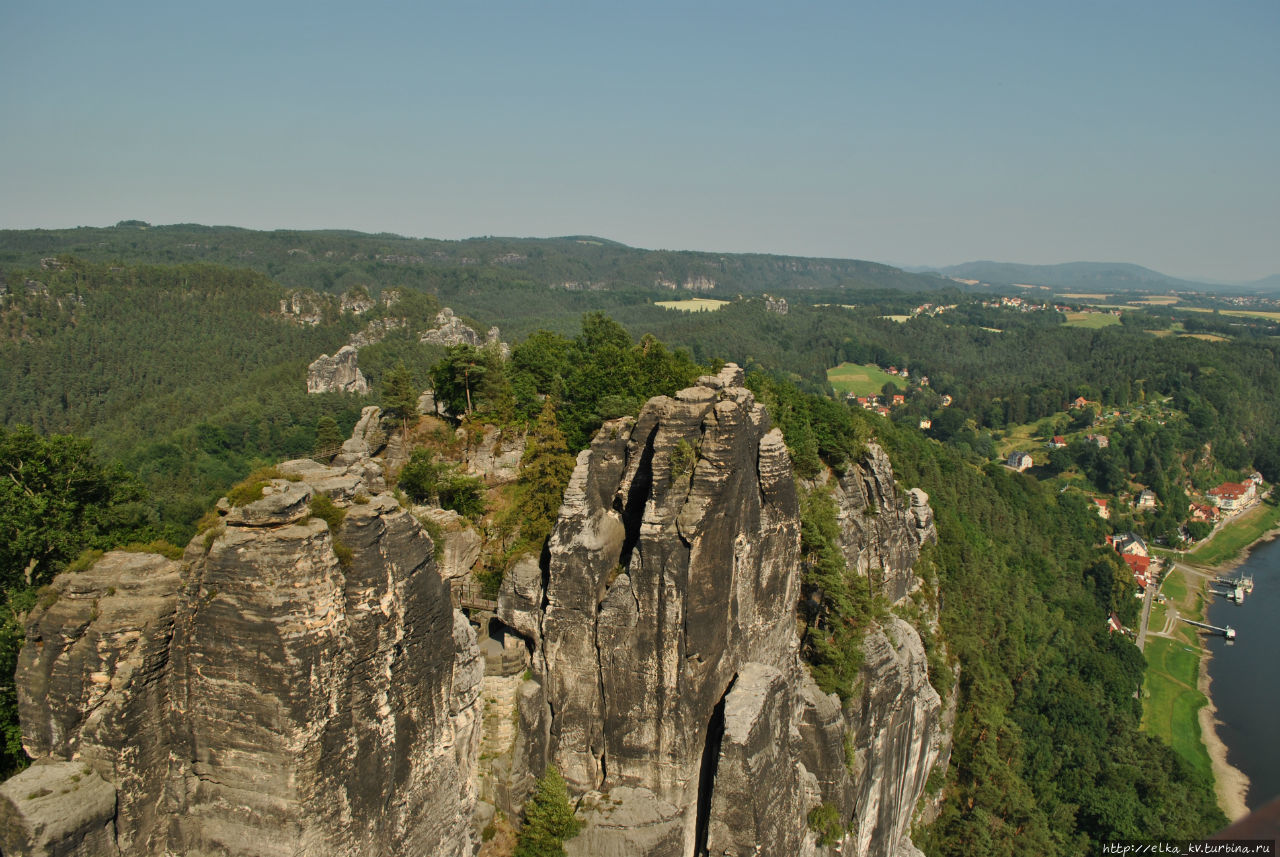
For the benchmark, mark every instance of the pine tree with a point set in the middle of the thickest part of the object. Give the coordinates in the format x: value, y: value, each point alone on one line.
x: 548, y: 819
x: 328, y: 436
x: 400, y: 393
x: 544, y: 473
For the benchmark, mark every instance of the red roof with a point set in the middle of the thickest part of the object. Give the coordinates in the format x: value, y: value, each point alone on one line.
x: 1059, y: 439
x: 1139, y: 564
x: 1229, y: 489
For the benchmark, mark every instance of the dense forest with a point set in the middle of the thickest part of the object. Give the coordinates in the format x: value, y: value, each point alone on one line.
x: 131, y: 395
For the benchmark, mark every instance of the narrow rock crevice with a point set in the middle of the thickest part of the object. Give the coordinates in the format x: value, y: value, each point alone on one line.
x: 632, y: 509
x: 707, y: 773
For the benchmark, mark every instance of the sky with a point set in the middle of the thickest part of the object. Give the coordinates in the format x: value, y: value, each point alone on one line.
x: 915, y: 133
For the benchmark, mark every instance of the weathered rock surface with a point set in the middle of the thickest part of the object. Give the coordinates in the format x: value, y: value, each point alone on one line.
x: 266, y: 697
x: 58, y: 809
x: 882, y: 528
x: 337, y: 374
x: 494, y: 456
x: 896, y: 732
x: 460, y: 544
x: 672, y: 566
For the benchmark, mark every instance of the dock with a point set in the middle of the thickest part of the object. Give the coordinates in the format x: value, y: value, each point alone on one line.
x: 1228, y: 631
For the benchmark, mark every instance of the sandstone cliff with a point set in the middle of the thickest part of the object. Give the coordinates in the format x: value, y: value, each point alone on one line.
x: 302, y: 687
x: 670, y: 693
x: 289, y: 688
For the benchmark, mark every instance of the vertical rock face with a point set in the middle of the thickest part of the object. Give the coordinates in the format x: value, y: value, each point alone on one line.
x: 882, y: 528
x: 289, y: 689
x: 672, y: 567
x: 678, y: 706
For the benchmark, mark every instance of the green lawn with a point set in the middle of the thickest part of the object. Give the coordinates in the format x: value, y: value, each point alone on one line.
x: 1091, y: 319
x: 861, y: 380
x: 1237, y: 535
x: 1170, y: 701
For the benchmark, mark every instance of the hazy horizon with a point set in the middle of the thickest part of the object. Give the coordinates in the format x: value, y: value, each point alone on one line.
x: 1141, y: 133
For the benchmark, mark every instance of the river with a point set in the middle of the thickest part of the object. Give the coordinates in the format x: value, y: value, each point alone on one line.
x: 1246, y: 675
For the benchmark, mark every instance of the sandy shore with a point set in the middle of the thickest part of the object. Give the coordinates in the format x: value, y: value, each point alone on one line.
x: 1231, y: 783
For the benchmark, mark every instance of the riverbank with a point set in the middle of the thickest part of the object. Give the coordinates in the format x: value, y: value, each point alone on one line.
x: 1176, y: 703
x: 1230, y: 783
x: 1229, y: 548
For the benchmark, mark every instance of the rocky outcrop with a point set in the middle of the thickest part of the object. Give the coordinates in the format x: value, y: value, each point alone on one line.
x: 872, y: 757
x: 882, y: 528
x: 493, y: 455
x: 673, y: 567
x: 337, y: 374
x: 290, y: 688
x: 296, y: 686
x: 451, y: 330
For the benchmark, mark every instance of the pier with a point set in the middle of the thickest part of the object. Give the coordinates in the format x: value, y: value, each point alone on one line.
x: 1228, y: 631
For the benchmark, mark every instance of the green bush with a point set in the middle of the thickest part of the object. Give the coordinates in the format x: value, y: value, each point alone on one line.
x: 824, y: 820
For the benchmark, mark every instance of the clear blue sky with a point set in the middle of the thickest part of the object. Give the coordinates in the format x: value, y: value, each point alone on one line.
x: 907, y: 132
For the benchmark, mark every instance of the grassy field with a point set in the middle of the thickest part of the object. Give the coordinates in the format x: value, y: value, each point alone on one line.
x: 1084, y: 296
x: 1240, y: 313
x: 898, y: 318
x: 1158, y: 300
x: 693, y: 305
x: 1091, y: 319
x: 860, y: 380
x: 1240, y: 533
x: 1170, y: 701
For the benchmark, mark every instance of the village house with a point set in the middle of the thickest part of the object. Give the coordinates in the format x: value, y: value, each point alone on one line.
x: 1099, y: 440
x: 1058, y: 442
x: 926, y: 423
x: 1147, y: 499
x: 1130, y: 544
x: 1019, y: 461
x: 1080, y: 402
x: 1100, y: 506
x: 1232, y: 496
x: 946, y: 400
x: 1203, y: 512
x: 899, y: 399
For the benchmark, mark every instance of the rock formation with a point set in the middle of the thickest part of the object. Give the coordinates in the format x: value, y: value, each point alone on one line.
x: 337, y: 374
x: 451, y: 330
x: 300, y: 683
x: 289, y: 688
x: 881, y: 528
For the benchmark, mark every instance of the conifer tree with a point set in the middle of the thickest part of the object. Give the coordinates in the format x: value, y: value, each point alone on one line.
x: 548, y: 819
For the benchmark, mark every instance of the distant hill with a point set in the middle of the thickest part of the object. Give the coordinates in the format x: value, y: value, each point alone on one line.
x: 332, y: 260
x: 1089, y: 276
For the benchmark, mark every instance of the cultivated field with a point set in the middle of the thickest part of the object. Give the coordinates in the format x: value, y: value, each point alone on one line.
x: 692, y: 305
x: 1091, y: 319
x: 861, y: 380
x: 1240, y: 313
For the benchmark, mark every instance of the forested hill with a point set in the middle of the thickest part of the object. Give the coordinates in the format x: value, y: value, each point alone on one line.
x: 1086, y: 276
x: 334, y: 260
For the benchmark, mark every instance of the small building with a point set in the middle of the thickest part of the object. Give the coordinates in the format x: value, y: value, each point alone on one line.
x: 1113, y: 623
x: 899, y: 399
x: 1099, y: 440
x: 1256, y: 478
x: 1080, y: 402
x: 946, y: 400
x: 1129, y: 544
x: 1019, y: 461
x: 1147, y: 499
x: 926, y: 423
x: 1100, y: 506
x: 1203, y: 512
x: 1058, y: 442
